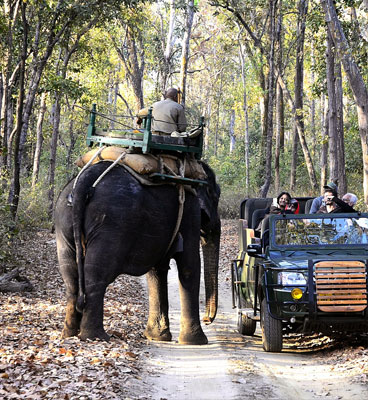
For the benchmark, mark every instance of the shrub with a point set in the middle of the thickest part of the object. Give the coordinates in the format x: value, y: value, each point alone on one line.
x: 229, y: 204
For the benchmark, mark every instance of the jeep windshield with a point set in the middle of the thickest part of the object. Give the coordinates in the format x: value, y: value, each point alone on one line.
x: 319, y: 231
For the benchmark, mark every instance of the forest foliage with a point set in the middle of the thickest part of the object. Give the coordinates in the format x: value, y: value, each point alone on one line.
x: 268, y: 76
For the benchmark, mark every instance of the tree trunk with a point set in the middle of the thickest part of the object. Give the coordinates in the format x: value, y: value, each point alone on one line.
x: 324, y: 148
x: 231, y: 131
x: 206, y: 133
x: 39, y: 140
x: 258, y: 66
x: 185, y: 50
x: 137, y: 70
x: 279, y: 142
x: 299, y: 86
x: 332, y: 111
x: 294, y: 158
x: 56, y: 108
x: 355, y: 79
x: 271, y: 87
x: 340, y: 143
x: 279, y: 135
x: 246, y: 121
x: 303, y: 143
x: 134, y: 64
x: 15, y: 186
x: 168, y: 48
x: 11, y: 14
x: 313, y: 106
x: 73, y: 140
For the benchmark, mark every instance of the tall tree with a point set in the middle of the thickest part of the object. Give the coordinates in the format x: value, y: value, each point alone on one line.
x: 185, y: 49
x: 8, y: 74
x: 355, y: 79
x: 235, y: 8
x: 131, y: 53
x: 246, y: 118
x: 15, y: 187
x: 324, y: 149
x: 167, y: 42
x: 332, y: 109
x: 299, y: 87
x: 39, y: 140
x: 280, y: 119
x: 271, y: 88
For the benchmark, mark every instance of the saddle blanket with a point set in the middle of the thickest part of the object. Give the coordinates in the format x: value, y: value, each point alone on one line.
x: 145, y: 164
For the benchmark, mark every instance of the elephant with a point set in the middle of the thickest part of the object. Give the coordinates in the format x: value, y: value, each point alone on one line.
x: 123, y: 227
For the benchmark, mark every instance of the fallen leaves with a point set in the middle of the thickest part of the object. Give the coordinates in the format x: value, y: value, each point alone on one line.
x: 35, y: 363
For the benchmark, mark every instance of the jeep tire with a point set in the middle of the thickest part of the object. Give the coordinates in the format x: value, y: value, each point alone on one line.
x: 271, y: 330
x: 246, y: 325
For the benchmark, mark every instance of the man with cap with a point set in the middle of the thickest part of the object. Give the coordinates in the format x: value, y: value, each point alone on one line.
x: 333, y: 204
x: 318, y: 201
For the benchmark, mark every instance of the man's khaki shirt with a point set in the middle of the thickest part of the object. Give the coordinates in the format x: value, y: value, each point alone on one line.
x: 168, y: 116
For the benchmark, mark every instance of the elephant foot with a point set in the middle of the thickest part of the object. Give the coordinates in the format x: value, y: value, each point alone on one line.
x: 158, y: 336
x: 193, y: 337
x: 92, y: 335
x: 68, y: 332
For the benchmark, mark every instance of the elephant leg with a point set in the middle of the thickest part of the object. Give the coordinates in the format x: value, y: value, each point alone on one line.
x: 92, y: 318
x: 189, y: 277
x: 72, y: 317
x: 68, y: 269
x: 158, y: 319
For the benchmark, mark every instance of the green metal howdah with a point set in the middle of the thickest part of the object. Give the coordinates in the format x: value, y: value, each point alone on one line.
x: 143, y: 138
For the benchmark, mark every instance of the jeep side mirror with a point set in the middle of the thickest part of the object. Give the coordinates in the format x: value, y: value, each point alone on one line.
x: 254, y: 250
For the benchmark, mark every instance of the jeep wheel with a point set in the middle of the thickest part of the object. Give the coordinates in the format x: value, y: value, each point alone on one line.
x: 246, y: 326
x: 271, y: 330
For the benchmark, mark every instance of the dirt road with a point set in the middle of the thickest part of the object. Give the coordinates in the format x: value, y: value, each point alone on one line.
x: 235, y: 367
x: 36, y: 364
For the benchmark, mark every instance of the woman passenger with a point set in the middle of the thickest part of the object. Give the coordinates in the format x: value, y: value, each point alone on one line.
x: 283, y: 203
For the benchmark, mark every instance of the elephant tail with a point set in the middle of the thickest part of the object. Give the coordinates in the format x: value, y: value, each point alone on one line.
x: 79, y: 204
x: 81, y: 300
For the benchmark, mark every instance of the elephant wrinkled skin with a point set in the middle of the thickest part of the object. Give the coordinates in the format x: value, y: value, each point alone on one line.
x: 122, y: 227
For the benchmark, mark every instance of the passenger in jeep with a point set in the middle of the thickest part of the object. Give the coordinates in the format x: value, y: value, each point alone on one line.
x: 283, y: 203
x: 334, y: 205
x: 350, y: 198
x: 294, y: 206
x: 283, y: 206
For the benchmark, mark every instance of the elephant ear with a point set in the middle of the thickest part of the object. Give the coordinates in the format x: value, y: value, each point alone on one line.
x: 209, y: 196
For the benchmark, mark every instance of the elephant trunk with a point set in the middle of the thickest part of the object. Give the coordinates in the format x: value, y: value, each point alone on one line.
x: 211, y: 260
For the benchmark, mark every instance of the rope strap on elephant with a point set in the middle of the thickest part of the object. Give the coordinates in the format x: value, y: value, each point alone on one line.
x: 90, y: 162
x: 122, y: 155
x: 181, y: 205
x: 174, y: 165
x: 176, y: 168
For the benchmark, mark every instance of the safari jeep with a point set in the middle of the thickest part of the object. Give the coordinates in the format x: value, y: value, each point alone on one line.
x: 304, y: 273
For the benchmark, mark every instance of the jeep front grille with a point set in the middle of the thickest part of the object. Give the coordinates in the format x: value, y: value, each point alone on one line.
x: 341, y: 286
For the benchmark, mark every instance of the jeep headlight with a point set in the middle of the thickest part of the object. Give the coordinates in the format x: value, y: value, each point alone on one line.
x: 291, y: 278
